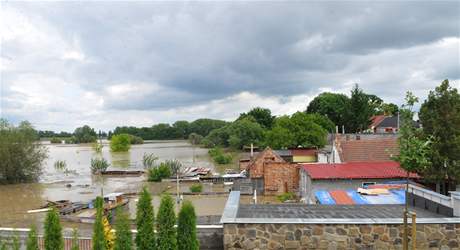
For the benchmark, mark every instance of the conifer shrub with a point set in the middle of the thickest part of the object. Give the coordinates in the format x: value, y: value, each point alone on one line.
x: 166, y: 219
x: 145, y: 237
x: 53, y: 231
x: 99, y: 241
x: 75, y: 244
x: 123, y: 236
x: 32, y: 241
x: 186, y: 228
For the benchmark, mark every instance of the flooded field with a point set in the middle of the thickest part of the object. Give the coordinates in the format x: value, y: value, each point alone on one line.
x: 15, y: 200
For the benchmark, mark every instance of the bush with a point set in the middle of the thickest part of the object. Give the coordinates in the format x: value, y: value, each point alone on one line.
x: 120, y: 143
x: 166, y: 219
x: 223, y: 159
x: 145, y: 237
x: 186, y: 228
x: 21, y: 158
x: 32, y: 241
x: 99, y: 165
x: 196, y: 188
x: 135, y: 140
x: 195, y: 138
x: 286, y: 196
x: 56, y: 140
x: 60, y: 165
x: 159, y: 172
x: 99, y: 242
x: 53, y: 231
x: 123, y: 237
x: 70, y: 140
x: 75, y: 244
x: 219, y: 156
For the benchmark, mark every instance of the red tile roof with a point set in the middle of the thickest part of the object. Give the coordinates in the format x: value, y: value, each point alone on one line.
x: 381, y: 149
x: 357, y: 170
x: 376, y: 120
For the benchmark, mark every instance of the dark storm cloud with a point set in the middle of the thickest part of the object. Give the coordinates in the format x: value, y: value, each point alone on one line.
x: 196, y: 52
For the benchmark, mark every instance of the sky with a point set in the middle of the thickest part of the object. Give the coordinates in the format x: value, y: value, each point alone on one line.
x: 108, y: 64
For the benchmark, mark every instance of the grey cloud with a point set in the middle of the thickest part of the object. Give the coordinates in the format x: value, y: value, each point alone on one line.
x: 202, y: 51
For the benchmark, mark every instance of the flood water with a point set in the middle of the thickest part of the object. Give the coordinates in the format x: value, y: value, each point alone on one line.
x: 80, y: 185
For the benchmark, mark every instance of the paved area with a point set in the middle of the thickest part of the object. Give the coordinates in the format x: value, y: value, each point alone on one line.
x: 299, y: 211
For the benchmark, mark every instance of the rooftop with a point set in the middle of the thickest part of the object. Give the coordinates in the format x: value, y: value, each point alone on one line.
x: 327, y: 211
x: 379, y: 149
x: 235, y: 212
x: 356, y: 170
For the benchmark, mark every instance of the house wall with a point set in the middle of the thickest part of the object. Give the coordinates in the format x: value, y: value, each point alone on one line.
x: 337, y: 236
x: 257, y: 167
x: 280, y: 177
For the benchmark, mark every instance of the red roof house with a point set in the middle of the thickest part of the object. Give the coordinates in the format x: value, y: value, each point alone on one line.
x: 357, y: 170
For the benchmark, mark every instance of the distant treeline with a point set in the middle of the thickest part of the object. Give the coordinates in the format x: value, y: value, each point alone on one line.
x: 178, y: 130
x: 307, y: 128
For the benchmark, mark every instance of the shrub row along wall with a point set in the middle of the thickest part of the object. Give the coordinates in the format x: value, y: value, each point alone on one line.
x: 211, y: 238
x: 337, y: 236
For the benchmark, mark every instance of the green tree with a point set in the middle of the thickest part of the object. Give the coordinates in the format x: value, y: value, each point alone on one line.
x: 182, y: 129
x: 85, y: 134
x: 53, y: 231
x: 75, y: 244
x: 21, y: 158
x: 323, y: 121
x: 195, y: 138
x: 440, y: 118
x: 262, y: 116
x: 123, y: 236
x: 331, y: 105
x: 361, y: 110
x: 99, y: 241
x: 204, y: 126
x: 166, y: 219
x: 186, y: 228
x: 32, y: 240
x: 413, y: 150
x: 388, y: 109
x: 297, y: 130
x: 120, y: 143
x: 16, y: 245
x: 145, y: 237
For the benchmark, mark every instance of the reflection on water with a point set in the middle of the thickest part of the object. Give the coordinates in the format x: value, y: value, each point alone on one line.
x: 15, y: 200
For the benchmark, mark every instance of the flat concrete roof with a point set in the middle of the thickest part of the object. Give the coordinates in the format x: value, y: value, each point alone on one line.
x: 235, y: 212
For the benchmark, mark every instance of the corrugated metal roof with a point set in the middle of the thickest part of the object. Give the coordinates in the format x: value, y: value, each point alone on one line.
x: 357, y: 170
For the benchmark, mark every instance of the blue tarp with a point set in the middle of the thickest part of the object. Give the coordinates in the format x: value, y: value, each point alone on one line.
x: 383, y: 199
x: 357, y: 198
x: 324, y: 197
x: 400, y: 195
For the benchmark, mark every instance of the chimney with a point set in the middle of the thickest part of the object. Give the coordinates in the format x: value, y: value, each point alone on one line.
x: 252, y: 150
x: 343, y: 129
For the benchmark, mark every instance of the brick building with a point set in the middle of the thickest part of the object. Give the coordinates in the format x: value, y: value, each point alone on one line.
x: 272, y: 173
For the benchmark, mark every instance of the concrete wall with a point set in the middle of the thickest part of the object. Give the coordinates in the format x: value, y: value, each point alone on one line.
x: 337, y: 236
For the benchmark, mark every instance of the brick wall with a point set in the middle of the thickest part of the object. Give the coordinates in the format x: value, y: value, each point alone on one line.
x: 280, y: 177
x: 257, y: 166
x: 337, y: 236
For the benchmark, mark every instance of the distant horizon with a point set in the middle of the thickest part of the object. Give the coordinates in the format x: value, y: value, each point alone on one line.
x: 107, y: 64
